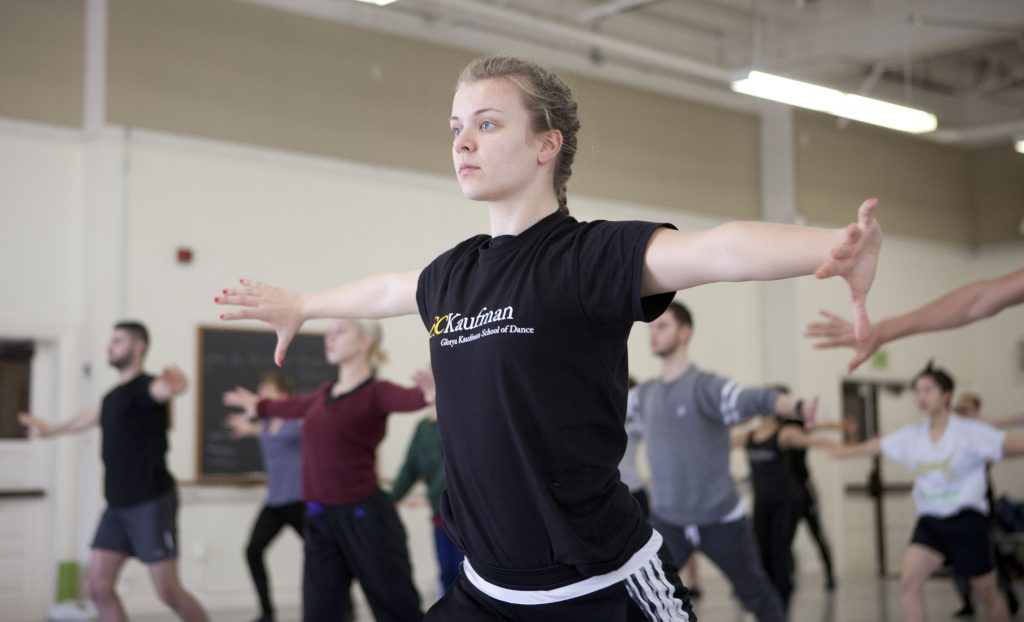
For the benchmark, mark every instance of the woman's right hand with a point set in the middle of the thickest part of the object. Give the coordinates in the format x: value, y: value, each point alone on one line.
x: 37, y: 428
x: 281, y: 308
x: 243, y: 398
x: 240, y: 425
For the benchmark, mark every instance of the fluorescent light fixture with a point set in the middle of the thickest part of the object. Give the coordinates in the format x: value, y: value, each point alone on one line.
x: 377, y: 2
x: 1019, y: 145
x: 831, y: 101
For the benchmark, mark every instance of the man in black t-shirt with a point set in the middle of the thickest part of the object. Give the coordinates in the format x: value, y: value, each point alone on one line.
x: 142, y: 502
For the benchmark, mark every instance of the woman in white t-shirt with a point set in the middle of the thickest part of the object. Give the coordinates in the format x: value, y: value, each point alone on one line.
x: 948, y: 454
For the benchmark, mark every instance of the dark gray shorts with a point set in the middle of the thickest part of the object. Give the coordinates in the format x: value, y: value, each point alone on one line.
x: 147, y: 530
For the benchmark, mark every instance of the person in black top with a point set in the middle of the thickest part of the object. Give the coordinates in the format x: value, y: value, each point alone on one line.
x: 776, y: 491
x: 527, y: 330
x: 142, y: 501
x: 807, y: 508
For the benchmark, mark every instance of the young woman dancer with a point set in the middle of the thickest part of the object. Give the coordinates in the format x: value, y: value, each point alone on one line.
x: 352, y: 528
x: 281, y: 446
x: 777, y: 490
x: 948, y: 453
x: 527, y: 332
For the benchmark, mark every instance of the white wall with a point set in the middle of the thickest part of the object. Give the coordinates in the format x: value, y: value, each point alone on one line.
x: 82, y: 249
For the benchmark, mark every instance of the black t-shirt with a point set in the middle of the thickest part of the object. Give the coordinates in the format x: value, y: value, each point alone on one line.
x: 770, y: 472
x: 797, y: 457
x: 134, y: 443
x: 528, y: 347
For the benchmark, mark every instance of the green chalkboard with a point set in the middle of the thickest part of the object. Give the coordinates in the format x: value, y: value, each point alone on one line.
x: 228, y: 358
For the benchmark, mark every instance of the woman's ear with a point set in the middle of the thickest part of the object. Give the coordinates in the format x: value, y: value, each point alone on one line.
x: 551, y: 146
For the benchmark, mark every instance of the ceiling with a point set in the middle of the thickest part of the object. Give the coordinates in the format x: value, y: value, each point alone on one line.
x: 963, y: 60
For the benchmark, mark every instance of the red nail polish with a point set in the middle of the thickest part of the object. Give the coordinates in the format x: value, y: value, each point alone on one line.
x: 216, y: 298
x: 224, y: 291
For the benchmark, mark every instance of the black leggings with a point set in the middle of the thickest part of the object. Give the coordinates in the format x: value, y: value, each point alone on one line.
x: 808, y: 508
x: 774, y: 527
x: 268, y: 524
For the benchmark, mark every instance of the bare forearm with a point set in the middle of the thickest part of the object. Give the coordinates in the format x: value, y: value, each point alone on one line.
x: 964, y: 305
x: 760, y: 251
x: 1008, y: 422
x: 735, y: 251
x: 870, y: 447
x: 379, y: 296
x: 83, y: 421
x: 1013, y: 446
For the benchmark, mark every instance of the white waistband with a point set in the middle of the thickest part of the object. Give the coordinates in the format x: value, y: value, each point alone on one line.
x: 574, y: 590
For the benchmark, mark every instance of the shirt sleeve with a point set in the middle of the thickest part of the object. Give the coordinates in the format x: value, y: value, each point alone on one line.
x: 610, y: 264
x: 144, y: 398
x: 293, y: 407
x: 391, y: 398
x: 897, y: 446
x: 987, y: 441
x: 728, y: 402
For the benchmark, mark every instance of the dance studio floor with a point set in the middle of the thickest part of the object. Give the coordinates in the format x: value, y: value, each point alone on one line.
x: 855, y: 600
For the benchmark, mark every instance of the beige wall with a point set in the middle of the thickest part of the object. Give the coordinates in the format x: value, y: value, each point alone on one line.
x: 229, y: 70
x: 234, y: 71
x: 998, y: 194
x: 42, y: 60
x: 924, y: 189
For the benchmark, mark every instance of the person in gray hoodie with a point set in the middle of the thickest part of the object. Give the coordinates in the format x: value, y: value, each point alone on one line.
x: 686, y: 414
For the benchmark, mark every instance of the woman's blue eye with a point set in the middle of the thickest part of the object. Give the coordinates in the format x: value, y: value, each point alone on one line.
x: 486, y: 125
x: 456, y: 130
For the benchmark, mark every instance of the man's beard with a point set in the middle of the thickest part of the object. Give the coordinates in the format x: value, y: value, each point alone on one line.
x: 667, y: 352
x: 122, y: 363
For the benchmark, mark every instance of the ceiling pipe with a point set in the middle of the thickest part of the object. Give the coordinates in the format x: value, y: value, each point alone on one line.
x: 572, y: 34
x: 708, y: 93
x: 988, y: 134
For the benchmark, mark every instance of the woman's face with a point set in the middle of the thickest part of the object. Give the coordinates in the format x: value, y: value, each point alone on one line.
x: 494, y: 148
x: 929, y: 395
x: 269, y: 391
x: 343, y: 343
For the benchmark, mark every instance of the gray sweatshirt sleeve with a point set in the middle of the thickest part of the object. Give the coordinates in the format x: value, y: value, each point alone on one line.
x: 728, y: 402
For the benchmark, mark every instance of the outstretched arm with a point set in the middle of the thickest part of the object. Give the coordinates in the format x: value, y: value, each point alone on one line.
x: 792, y: 437
x: 242, y: 426
x: 170, y: 383
x: 961, y: 306
x: 738, y: 439
x: 40, y: 428
x: 1006, y: 422
x: 758, y: 251
x: 381, y: 295
x: 1013, y: 446
x: 870, y: 447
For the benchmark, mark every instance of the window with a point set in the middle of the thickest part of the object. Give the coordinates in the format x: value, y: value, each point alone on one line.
x: 15, y: 380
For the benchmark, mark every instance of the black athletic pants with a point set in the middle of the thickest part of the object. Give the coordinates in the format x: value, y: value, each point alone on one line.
x: 269, y: 523
x: 774, y: 528
x: 653, y: 593
x: 363, y: 541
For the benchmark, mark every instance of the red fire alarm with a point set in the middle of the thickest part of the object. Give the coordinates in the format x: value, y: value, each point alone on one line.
x: 184, y: 255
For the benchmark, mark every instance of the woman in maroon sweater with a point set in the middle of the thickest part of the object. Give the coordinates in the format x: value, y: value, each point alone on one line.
x: 352, y: 529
